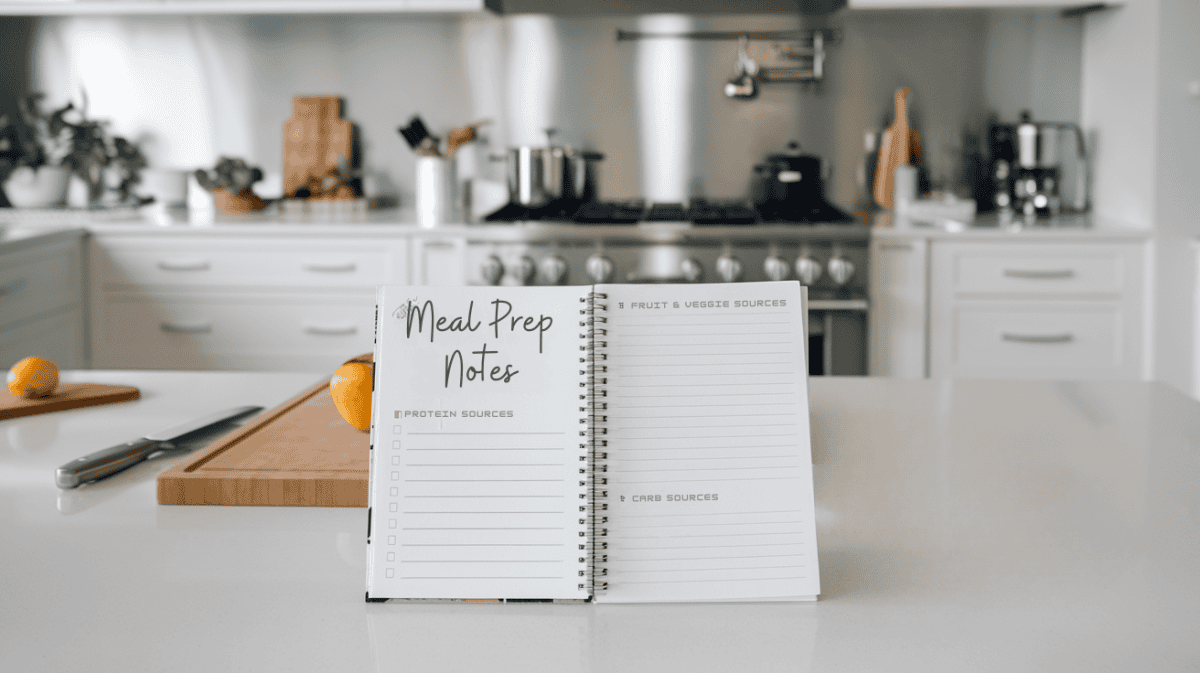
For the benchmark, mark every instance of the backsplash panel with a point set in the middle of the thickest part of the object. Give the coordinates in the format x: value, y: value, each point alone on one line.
x: 193, y: 88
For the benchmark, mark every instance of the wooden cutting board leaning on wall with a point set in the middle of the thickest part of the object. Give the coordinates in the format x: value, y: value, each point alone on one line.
x: 316, y: 141
x: 894, y: 150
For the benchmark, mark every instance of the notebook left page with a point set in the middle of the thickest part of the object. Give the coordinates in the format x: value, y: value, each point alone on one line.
x: 476, y: 488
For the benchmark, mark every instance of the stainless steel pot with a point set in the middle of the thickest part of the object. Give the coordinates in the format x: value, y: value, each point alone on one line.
x: 540, y: 175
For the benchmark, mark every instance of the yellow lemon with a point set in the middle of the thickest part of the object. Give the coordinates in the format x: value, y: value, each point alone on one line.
x: 351, y: 391
x: 33, y: 377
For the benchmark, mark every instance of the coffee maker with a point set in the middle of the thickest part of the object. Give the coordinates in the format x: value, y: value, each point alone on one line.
x: 1038, y: 169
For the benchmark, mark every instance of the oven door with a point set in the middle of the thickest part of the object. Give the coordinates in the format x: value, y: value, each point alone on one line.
x: 837, y: 337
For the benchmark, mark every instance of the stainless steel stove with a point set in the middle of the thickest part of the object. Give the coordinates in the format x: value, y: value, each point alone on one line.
x: 667, y: 243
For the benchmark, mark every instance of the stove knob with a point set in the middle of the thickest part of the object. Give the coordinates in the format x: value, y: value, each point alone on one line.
x: 492, y: 270
x: 840, y: 270
x: 776, y: 268
x: 526, y: 270
x: 553, y: 270
x: 600, y: 268
x: 691, y: 270
x: 808, y: 270
x: 729, y: 268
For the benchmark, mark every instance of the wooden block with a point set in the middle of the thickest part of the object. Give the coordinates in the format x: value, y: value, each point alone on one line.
x: 301, y: 453
x: 67, y: 396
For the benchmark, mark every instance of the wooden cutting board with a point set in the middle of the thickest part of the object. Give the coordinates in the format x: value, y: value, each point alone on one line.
x: 315, y: 140
x: 894, y: 151
x: 300, y: 453
x: 67, y: 396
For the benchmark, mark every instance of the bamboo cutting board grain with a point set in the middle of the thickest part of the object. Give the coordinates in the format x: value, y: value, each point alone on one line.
x: 893, y: 151
x: 66, y: 396
x: 300, y: 453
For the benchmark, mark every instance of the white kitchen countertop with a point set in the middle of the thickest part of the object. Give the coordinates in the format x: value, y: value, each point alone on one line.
x: 992, y: 227
x: 962, y: 525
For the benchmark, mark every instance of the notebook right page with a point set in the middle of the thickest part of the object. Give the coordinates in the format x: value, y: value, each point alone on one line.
x: 709, y: 463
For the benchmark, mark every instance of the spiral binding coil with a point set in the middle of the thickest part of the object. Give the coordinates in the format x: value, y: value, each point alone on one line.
x: 594, y: 404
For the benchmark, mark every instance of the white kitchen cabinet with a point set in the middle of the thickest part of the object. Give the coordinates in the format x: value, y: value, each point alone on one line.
x: 1037, y: 310
x: 41, y: 300
x: 207, y: 301
x: 110, y: 7
x: 898, y: 322
x: 439, y: 261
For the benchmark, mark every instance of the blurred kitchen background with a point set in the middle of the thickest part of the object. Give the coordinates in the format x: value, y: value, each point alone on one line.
x: 192, y: 88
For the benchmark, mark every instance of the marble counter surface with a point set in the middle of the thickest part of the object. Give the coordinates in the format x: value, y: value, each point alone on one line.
x: 962, y: 525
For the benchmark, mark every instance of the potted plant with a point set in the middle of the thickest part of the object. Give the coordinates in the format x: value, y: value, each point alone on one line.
x: 229, y: 182
x: 39, y: 151
x: 32, y: 147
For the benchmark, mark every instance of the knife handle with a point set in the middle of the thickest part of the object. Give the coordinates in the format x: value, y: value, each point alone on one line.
x: 104, y: 462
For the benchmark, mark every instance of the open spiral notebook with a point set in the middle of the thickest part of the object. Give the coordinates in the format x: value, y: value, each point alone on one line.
x: 616, y: 443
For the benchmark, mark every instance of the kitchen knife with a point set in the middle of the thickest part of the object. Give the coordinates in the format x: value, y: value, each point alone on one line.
x: 114, y: 459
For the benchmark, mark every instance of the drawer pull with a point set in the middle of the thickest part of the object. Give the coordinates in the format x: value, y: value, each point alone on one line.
x: 13, y: 287
x: 896, y: 246
x: 331, y: 330
x: 185, y: 328
x: 198, y: 265
x: 1038, y: 338
x: 346, y: 267
x: 1039, y: 275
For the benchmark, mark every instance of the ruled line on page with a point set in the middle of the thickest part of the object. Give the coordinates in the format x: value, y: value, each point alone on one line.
x: 709, y: 546
x: 680, y: 537
x: 484, y: 464
x: 455, y: 448
x: 631, y: 559
x: 692, y: 355
x: 703, y: 469
x: 690, y: 385
x: 709, y: 525
x: 689, y: 481
x: 487, y: 433
x: 506, y: 495
x: 750, y: 331
x: 483, y: 544
x: 707, y: 375
x: 770, y: 511
x: 726, y: 579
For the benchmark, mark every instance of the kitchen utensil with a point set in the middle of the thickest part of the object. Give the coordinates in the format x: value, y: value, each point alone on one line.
x: 66, y: 396
x: 894, y: 150
x: 744, y: 84
x: 114, y: 459
x: 419, y: 138
x: 300, y: 453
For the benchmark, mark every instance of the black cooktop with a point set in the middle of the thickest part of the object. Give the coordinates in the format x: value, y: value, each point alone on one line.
x: 699, y: 213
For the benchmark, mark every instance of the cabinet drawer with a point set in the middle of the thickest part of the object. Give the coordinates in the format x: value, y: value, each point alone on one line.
x: 1043, y: 269
x: 58, y: 338
x: 1043, y: 340
x: 37, y: 285
x: 263, y: 263
x: 256, y: 332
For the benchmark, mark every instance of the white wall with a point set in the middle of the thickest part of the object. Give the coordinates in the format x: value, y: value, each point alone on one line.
x: 1139, y: 61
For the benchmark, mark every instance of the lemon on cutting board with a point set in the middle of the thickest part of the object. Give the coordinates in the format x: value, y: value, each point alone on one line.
x: 351, y: 390
x: 33, y: 377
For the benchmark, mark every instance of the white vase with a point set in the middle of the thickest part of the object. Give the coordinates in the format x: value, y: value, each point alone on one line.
x: 43, y: 187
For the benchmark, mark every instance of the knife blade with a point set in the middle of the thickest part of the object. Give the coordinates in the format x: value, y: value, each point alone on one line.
x: 116, y: 458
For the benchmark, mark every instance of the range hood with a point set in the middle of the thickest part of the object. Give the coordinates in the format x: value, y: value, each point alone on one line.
x: 610, y: 7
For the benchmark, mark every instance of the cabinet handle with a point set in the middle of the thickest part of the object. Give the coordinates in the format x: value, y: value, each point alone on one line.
x: 1039, y: 275
x: 331, y: 330
x: 198, y: 265
x: 346, y: 267
x: 1038, y: 338
x: 185, y: 328
x: 13, y: 287
x: 895, y: 246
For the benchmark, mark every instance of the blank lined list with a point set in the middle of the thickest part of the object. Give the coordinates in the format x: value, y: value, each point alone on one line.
x: 708, y: 442
x: 489, y: 509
